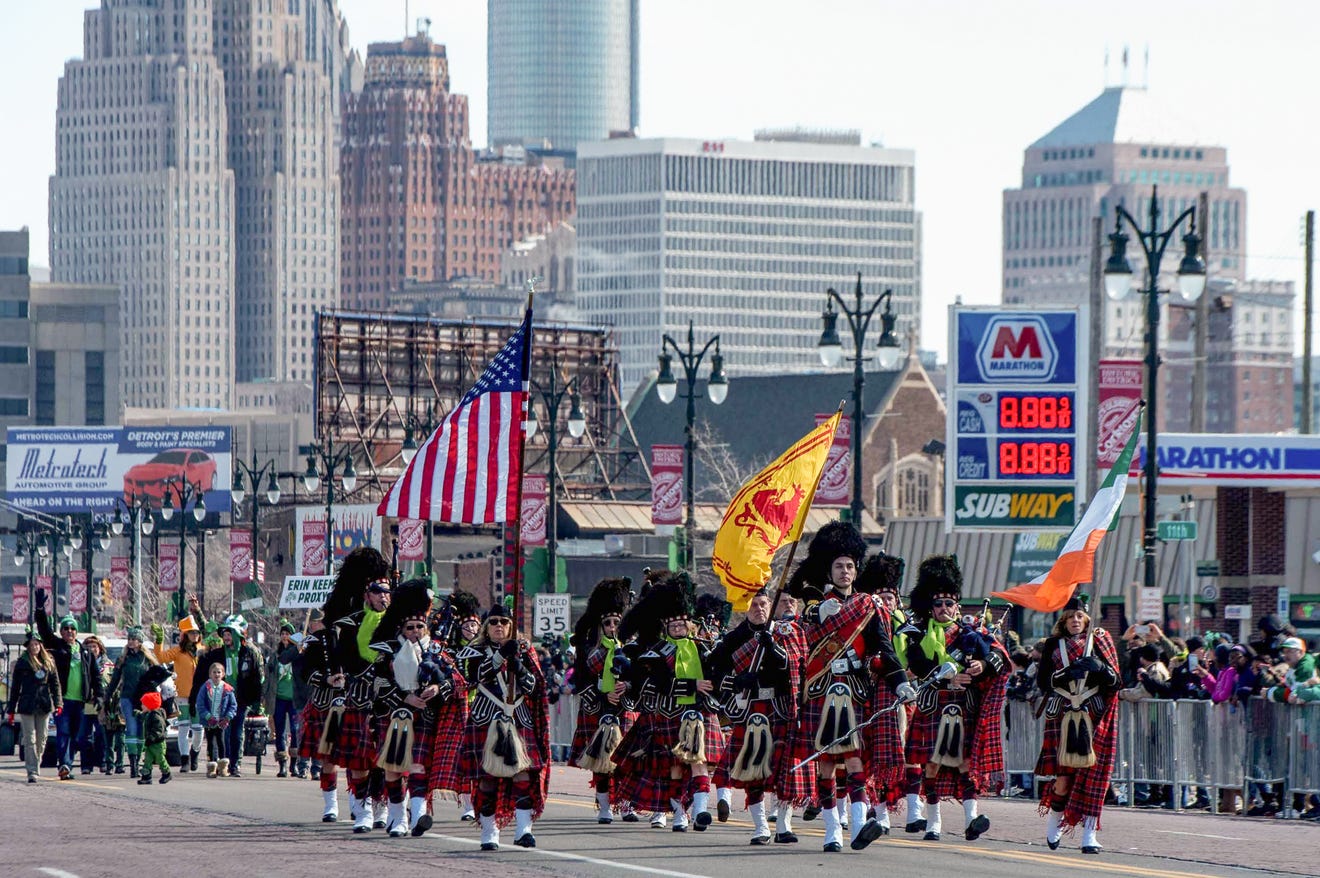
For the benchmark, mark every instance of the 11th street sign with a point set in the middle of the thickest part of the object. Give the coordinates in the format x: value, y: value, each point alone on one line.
x: 1170, y: 531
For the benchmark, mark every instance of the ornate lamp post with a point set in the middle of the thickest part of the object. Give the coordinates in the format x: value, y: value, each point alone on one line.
x: 553, y: 396
x: 330, y: 461
x: 185, y: 491
x: 239, y: 492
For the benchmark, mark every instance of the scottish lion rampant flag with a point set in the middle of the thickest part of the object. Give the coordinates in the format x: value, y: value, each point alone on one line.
x: 1076, y: 561
x: 469, y: 470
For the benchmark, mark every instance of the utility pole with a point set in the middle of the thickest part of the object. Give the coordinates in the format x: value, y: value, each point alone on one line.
x: 1201, y: 326
x: 1308, y: 397
x: 1097, y: 303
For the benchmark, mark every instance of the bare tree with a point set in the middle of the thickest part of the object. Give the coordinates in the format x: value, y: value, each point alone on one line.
x: 722, y: 473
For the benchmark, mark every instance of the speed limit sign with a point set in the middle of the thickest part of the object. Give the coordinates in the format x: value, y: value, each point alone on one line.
x: 551, y: 615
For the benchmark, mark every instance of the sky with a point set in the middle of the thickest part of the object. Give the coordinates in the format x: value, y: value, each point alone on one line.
x: 967, y: 84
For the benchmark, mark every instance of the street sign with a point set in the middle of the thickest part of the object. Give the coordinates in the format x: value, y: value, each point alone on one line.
x: 1237, y: 611
x: 1150, y: 604
x: 551, y: 615
x: 1207, y: 568
x: 1170, y: 531
x: 1283, y: 603
x: 1208, y: 592
x: 1018, y: 433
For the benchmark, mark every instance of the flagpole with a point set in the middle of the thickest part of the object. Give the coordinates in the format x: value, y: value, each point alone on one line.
x: 806, y: 508
x: 517, y: 590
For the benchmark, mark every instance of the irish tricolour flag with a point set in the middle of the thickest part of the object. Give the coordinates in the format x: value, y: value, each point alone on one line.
x: 1076, y: 561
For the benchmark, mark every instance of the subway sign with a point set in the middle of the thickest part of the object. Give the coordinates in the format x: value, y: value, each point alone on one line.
x: 1018, y: 426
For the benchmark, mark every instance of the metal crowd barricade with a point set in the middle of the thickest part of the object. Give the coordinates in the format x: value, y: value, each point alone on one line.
x: 1225, y: 750
x: 563, y: 722
x: 1267, y: 744
x: 1303, y: 750
x: 1022, y: 733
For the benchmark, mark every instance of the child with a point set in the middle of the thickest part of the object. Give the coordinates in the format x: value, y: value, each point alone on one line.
x: 154, y: 724
x: 216, y: 707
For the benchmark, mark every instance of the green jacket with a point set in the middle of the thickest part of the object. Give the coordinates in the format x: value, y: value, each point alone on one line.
x: 153, y: 725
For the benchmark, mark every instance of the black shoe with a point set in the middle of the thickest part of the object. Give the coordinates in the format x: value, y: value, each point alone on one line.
x: 87, y: 771
x: 468, y: 818
x: 811, y: 812
x: 722, y: 811
x: 183, y: 766
x: 977, y: 827
x: 192, y: 760
x: 1091, y: 849
x: 630, y: 817
x: 64, y: 772
x: 144, y: 780
x: 119, y: 769
x: 916, y: 825
x: 360, y: 830
x: 832, y: 847
x: 166, y: 777
x: 32, y: 778
x: 786, y: 838
x: 759, y: 840
x: 489, y: 846
x: 378, y: 824
x: 525, y: 841
x: 316, y: 773
x: 679, y: 827
x: 701, y: 821
x: 329, y: 818
x: 870, y: 831
x: 931, y: 836
x: 1054, y: 845
x: 283, y: 772
x: 604, y: 821
x: 233, y: 772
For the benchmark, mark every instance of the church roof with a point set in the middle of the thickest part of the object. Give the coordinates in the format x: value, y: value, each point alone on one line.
x: 1122, y: 114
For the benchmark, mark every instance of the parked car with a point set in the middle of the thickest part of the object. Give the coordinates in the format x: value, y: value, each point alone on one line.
x: 149, y: 479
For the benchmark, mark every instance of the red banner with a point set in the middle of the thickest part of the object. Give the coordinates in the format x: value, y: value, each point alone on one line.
x: 168, y: 572
x: 1117, y: 408
x: 534, y: 508
x: 240, y: 556
x: 77, y: 591
x: 412, y: 539
x: 46, y: 583
x: 835, y: 487
x: 666, y: 485
x: 120, y: 577
x: 313, y: 547
x: 21, y: 605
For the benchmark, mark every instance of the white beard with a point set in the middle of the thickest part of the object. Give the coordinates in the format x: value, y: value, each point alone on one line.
x: 406, y: 662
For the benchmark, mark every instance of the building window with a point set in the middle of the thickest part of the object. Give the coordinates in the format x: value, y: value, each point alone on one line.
x: 45, y: 400
x: 913, y: 491
x: 13, y: 355
x: 94, y: 390
x: 13, y: 407
x: 13, y: 309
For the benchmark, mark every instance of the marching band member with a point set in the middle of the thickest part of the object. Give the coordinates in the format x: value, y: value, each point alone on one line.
x: 677, y: 731
x: 506, y: 742
x: 1080, y: 678
x: 849, y: 641
x: 457, y: 625
x: 758, y: 665
x: 955, y: 732
x: 420, y: 705
x: 793, y: 788
x: 604, y: 715
x: 712, y: 617
x: 882, y: 576
x: 319, y: 665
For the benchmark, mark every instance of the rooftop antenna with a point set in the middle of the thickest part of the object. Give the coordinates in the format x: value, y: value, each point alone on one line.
x: 1106, y: 82
x: 1125, y: 66
x: 1145, y: 72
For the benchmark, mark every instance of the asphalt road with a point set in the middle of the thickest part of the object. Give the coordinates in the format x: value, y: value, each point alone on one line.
x: 110, y: 826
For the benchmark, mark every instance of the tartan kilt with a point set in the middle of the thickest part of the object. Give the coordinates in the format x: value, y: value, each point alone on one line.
x: 355, y: 748
x: 887, y: 752
x: 313, y: 723
x: 983, y: 747
x: 587, y: 724
x: 424, y: 728
x: 474, y: 744
x: 645, y: 757
x: 1086, y: 798
x: 447, y: 744
x: 809, y: 722
x: 797, y: 788
x: 780, y: 734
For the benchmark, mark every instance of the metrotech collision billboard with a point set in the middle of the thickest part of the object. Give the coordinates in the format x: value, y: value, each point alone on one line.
x: 70, y: 470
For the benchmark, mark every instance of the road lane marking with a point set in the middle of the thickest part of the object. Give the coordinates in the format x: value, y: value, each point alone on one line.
x: 55, y: 873
x: 1200, y: 834
x: 577, y: 858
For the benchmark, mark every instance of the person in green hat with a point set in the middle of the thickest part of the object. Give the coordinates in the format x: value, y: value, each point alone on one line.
x: 133, y: 664
x: 280, y: 701
x: 244, y: 671
x: 79, y: 681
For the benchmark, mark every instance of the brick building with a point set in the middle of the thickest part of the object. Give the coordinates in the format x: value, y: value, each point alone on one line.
x: 419, y: 203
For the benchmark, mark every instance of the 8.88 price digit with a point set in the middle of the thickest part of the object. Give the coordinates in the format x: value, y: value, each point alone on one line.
x: 1035, y: 458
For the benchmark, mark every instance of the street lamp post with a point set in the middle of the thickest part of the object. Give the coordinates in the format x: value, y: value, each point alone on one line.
x: 185, y: 491
x: 237, y: 491
x: 131, y: 514
x: 666, y: 387
x: 29, y: 546
x: 553, y: 396
x: 1118, y: 283
x: 330, y: 461
x: 888, y: 356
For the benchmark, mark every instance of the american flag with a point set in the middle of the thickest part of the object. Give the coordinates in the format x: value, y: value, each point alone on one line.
x: 469, y: 469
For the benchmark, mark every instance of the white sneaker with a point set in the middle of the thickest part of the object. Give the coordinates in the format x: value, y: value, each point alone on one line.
x: 658, y: 820
x: 522, y: 832
x: 1090, y: 843
x: 932, y: 822
x: 359, y: 810
x: 1053, y: 828
x: 833, y: 830
x: 419, y: 820
x: 490, y: 833
x: 396, y: 822
x: 331, y: 799
x: 760, y: 825
x: 603, y: 814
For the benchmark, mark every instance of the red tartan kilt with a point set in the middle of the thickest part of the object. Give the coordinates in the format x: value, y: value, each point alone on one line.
x: 423, y: 749
x: 1047, y: 763
x: 645, y: 757
x: 809, y: 723
x: 587, y: 725
x: 446, y: 753
x: 921, y: 735
x: 355, y: 748
x: 313, y: 723
x: 779, y: 732
x: 474, y: 744
x: 797, y: 787
x: 886, y: 734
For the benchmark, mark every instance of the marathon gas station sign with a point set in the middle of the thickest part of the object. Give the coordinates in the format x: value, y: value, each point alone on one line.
x: 1236, y: 460
x: 1019, y: 421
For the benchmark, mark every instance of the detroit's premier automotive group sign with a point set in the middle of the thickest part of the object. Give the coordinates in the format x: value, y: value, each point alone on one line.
x: 1018, y: 432
x: 84, y: 469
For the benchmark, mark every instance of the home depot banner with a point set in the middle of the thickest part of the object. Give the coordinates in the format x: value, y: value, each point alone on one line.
x: 120, y: 578
x: 77, y: 591
x: 534, y: 509
x: 1118, y: 403
x: 412, y: 539
x: 168, y: 571
x: 836, y: 479
x: 240, y: 556
x: 666, y: 485
x: 21, y: 605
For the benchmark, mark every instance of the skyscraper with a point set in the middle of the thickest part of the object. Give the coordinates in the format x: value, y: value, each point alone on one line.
x: 196, y: 170
x: 560, y: 73
x: 420, y: 205
x: 743, y: 238
x: 1111, y: 152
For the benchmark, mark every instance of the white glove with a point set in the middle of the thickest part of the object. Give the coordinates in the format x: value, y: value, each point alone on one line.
x: 905, y: 692
x: 828, y: 607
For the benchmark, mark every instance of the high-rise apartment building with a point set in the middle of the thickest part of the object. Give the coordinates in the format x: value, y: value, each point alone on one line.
x: 743, y: 239
x: 1118, y: 149
x: 420, y: 205
x: 558, y: 74
x: 196, y: 171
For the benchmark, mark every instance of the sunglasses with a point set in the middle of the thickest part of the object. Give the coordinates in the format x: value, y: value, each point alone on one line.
x: 415, y: 626
x: 944, y: 602
x: 498, y: 622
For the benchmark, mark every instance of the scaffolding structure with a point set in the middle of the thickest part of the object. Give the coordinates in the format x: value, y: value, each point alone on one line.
x: 378, y: 373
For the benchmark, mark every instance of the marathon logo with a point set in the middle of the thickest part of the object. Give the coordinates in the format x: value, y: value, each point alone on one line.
x: 1017, y: 348
x: 1220, y: 458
